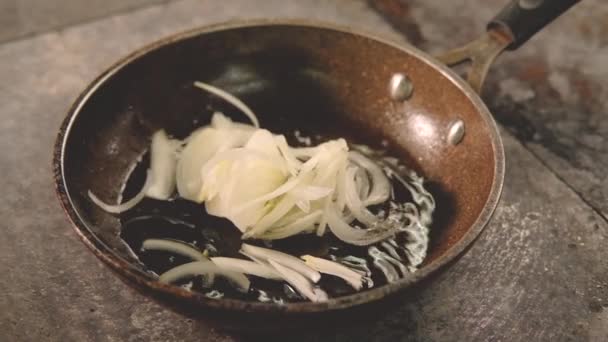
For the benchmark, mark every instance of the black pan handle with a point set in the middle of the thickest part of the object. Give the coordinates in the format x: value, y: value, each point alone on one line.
x: 513, y: 26
x: 521, y: 19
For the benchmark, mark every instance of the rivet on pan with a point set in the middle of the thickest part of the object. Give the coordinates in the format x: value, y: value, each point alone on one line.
x: 400, y: 87
x: 456, y: 132
x: 530, y: 4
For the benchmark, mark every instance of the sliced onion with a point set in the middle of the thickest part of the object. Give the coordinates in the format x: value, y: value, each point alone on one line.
x: 304, y: 194
x: 247, y: 267
x: 214, y: 172
x: 340, y: 194
x: 323, y: 222
x: 221, y: 121
x: 255, y: 259
x: 281, y: 190
x: 381, y: 187
x: 304, y: 205
x: 363, y: 185
x: 353, y: 202
x: 336, y: 269
x: 119, y: 208
x: 233, y: 100
x: 297, y: 280
x: 355, y: 236
x: 300, y: 225
x: 201, y: 146
x: 176, y: 247
x: 206, y: 268
x: 310, y: 192
x: 290, y: 261
x: 244, y: 181
x: 162, y: 166
x: 293, y: 164
x: 326, y: 176
x: 293, y: 215
x: 304, y: 152
x: 307, y: 167
x: 281, y: 209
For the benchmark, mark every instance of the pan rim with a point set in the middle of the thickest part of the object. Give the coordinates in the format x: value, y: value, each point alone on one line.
x: 126, y: 269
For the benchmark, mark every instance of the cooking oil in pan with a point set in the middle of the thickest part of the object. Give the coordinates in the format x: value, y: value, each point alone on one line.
x: 384, y: 262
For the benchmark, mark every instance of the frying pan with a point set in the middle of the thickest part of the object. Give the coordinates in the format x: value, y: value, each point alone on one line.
x: 307, y: 76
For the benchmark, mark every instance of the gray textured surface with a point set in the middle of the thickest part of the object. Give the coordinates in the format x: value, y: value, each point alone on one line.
x: 538, y: 272
x: 552, y: 93
x: 24, y: 17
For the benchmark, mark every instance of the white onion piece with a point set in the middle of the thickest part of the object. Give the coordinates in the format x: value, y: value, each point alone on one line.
x: 304, y: 152
x: 243, y: 181
x: 323, y: 221
x: 281, y: 190
x: 221, y: 121
x: 363, y: 185
x: 355, y: 236
x: 201, y: 146
x: 302, y: 285
x: 162, y: 166
x: 353, y: 202
x: 293, y: 215
x: 381, y: 187
x: 122, y: 207
x: 303, y: 205
x: 303, y: 175
x: 310, y: 192
x: 233, y: 100
x: 340, y: 195
x: 255, y: 259
x: 215, y: 172
x: 293, y: 164
x: 336, y: 269
x: 298, y: 226
x: 247, y: 267
x: 281, y: 209
x: 264, y: 142
x: 176, y: 247
x: 326, y: 175
x: 206, y: 268
x: 290, y: 261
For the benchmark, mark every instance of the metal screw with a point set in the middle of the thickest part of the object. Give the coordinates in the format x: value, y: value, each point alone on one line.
x: 456, y: 132
x: 530, y: 4
x: 400, y: 87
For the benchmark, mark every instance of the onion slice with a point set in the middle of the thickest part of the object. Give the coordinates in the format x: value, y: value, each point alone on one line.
x: 355, y: 236
x: 233, y: 100
x: 162, y: 166
x: 122, y: 207
x: 381, y: 187
x: 206, y: 268
x: 336, y: 269
x: 293, y: 164
x: 290, y: 261
x: 301, y: 283
x: 176, y: 247
x: 247, y: 267
x: 299, y: 225
x: 353, y: 202
x: 284, y: 205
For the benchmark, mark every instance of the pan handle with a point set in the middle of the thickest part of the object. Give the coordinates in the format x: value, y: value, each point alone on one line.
x: 522, y: 19
x: 508, y: 30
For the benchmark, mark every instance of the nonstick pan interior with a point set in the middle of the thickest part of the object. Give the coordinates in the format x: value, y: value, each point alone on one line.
x: 295, y: 76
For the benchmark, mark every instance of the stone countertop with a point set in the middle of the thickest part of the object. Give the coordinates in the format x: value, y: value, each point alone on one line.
x: 539, y: 272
